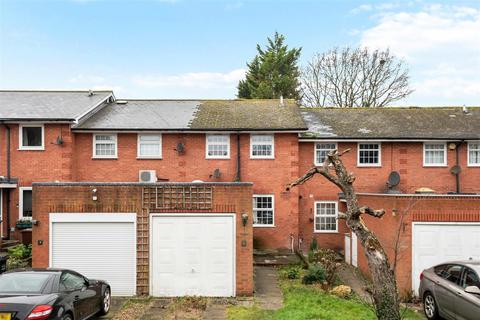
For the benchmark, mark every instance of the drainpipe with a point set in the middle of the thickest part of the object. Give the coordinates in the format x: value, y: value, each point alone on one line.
x: 457, y: 176
x: 8, y: 180
x: 238, y: 177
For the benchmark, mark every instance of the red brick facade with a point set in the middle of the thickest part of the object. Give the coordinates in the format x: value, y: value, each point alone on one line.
x: 413, y: 209
x: 227, y: 198
x: 294, y: 210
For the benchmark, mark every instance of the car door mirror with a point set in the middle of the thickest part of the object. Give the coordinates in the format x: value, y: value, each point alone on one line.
x: 473, y: 290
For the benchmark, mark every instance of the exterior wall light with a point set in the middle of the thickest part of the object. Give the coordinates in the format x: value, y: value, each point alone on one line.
x: 94, y: 194
x: 244, y: 219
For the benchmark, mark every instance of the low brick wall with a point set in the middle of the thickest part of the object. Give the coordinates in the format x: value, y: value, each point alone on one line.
x: 129, y: 197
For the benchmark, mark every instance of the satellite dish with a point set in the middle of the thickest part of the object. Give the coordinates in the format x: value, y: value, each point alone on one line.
x: 393, y: 179
x: 216, y: 173
x: 180, y: 148
x: 455, y: 170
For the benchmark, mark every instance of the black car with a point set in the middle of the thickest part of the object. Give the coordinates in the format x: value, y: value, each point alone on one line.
x: 40, y: 294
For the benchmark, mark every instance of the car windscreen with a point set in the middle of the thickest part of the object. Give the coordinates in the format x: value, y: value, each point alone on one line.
x: 22, y: 282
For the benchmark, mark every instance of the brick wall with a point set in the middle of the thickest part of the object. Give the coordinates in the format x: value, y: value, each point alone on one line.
x: 406, y: 158
x: 52, y: 164
x: 425, y: 208
x: 269, y: 176
x: 230, y: 198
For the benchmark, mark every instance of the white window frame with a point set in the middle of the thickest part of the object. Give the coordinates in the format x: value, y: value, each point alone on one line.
x: 217, y: 156
x: 157, y: 156
x: 20, y: 136
x: 273, y: 211
x: 315, y: 214
x: 95, y: 156
x: 470, y: 164
x: 379, y: 164
x: 20, y: 202
x: 444, y: 163
x: 315, y: 149
x: 272, y: 156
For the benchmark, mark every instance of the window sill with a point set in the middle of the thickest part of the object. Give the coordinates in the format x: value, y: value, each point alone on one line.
x: 264, y: 226
x: 435, y: 165
x: 262, y: 158
x: 217, y: 158
x: 327, y: 232
x: 31, y: 149
x: 104, y: 158
x: 149, y: 158
x: 369, y: 165
x: 475, y: 165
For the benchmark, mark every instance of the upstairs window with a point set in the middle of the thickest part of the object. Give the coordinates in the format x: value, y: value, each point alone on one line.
x: 434, y: 154
x: 25, y: 203
x: 218, y: 146
x: 326, y: 216
x: 31, y: 137
x: 474, y: 154
x: 149, y: 146
x: 322, y: 150
x: 262, y: 146
x: 369, y: 155
x: 105, y: 146
x: 263, y: 210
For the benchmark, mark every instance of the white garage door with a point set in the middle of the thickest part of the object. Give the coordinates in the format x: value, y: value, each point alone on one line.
x: 435, y: 243
x: 99, y: 246
x: 193, y: 255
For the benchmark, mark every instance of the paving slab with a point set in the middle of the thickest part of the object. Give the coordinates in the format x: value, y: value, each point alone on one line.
x: 351, y: 277
x: 267, y: 291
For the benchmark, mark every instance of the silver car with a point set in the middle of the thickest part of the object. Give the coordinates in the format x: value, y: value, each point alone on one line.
x: 451, y: 290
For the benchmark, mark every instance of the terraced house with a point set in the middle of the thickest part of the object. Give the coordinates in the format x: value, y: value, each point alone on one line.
x: 174, y: 194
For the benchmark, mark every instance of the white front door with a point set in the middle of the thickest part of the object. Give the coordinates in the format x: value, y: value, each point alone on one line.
x: 354, y: 250
x: 347, y: 248
x: 192, y: 255
x: 100, y: 246
x: 436, y: 243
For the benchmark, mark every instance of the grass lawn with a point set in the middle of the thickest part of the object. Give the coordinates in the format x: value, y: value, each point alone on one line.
x: 308, y: 302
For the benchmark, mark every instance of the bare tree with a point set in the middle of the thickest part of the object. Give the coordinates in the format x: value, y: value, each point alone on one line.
x: 385, y: 292
x: 348, y: 78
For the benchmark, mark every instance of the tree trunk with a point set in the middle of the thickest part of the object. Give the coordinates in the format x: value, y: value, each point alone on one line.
x: 385, y: 293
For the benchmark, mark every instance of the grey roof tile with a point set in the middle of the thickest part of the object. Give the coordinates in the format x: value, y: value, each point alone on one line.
x: 392, y: 123
x: 47, y: 105
x: 201, y: 115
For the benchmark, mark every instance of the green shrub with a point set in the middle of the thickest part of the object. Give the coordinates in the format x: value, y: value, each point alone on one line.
x: 327, y: 258
x: 314, y: 274
x: 314, y: 245
x: 19, y: 256
x: 291, y: 272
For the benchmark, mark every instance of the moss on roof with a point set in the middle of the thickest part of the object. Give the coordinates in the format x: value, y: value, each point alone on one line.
x: 248, y: 114
x: 392, y: 123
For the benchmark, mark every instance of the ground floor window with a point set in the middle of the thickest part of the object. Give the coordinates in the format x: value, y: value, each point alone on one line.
x: 25, y: 203
x: 326, y: 216
x: 263, y: 210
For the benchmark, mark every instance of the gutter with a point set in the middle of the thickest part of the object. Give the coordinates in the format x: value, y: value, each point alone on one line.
x: 226, y: 130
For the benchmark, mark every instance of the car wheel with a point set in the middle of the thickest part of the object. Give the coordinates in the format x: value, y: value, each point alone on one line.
x: 67, y: 317
x: 430, y: 306
x: 106, y: 301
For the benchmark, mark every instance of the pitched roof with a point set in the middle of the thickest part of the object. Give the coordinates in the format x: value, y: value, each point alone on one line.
x: 48, y: 105
x: 197, y: 115
x: 442, y: 123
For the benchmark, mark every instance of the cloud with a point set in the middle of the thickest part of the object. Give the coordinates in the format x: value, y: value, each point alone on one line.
x: 442, y: 46
x: 203, y: 80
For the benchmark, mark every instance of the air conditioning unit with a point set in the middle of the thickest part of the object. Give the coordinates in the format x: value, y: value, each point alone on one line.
x: 147, y: 176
